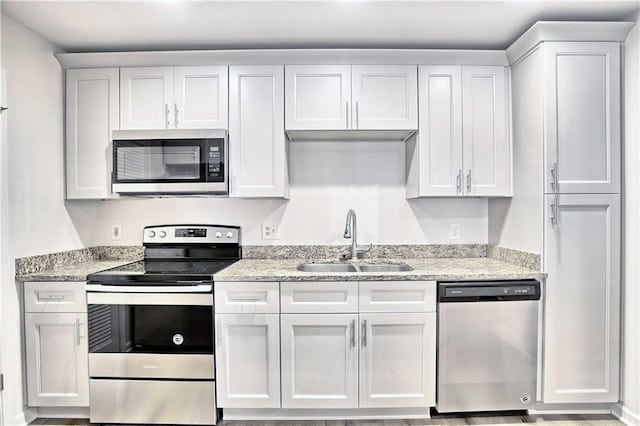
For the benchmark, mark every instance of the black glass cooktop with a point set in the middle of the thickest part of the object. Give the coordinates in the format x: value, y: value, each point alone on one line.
x: 155, y: 272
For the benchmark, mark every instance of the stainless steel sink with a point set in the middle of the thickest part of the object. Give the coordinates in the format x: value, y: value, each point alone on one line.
x: 326, y: 267
x: 385, y: 267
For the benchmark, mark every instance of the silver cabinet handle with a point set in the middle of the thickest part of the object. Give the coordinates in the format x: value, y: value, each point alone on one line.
x: 353, y: 333
x: 218, y: 333
x: 469, y: 182
x: 364, y: 333
x: 50, y: 297
x: 554, y: 176
x: 166, y: 114
x: 233, y: 184
x: 357, y: 114
x: 554, y: 210
x: 176, y: 116
x: 244, y: 299
x: 459, y: 182
x: 78, y: 335
x: 347, y: 110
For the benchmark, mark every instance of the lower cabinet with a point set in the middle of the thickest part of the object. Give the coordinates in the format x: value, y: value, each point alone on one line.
x: 248, y: 360
x: 57, y: 361
x: 398, y: 360
x: 319, y: 360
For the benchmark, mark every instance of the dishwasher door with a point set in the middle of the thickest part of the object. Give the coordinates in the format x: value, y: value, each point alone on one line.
x: 487, y: 345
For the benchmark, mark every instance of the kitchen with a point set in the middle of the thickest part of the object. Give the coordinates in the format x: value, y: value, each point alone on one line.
x: 505, y: 159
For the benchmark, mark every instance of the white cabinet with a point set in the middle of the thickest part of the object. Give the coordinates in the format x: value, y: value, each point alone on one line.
x: 173, y: 98
x: 319, y: 360
x: 398, y: 360
x: 385, y: 97
x: 342, y: 97
x: 582, y: 110
x: 56, y: 347
x: 486, y: 153
x: 248, y: 360
x: 582, y: 298
x: 317, y: 97
x: 91, y: 115
x: 462, y: 147
x: 258, y: 152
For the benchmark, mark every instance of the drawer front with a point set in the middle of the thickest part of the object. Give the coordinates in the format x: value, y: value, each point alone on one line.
x: 310, y: 297
x: 55, y: 297
x: 247, y: 297
x: 144, y: 366
x: 398, y: 296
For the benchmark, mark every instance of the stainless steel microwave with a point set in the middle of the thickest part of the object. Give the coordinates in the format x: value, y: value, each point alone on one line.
x: 175, y: 162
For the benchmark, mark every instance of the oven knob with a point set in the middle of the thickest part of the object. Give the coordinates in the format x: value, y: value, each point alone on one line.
x: 151, y: 234
x: 162, y: 234
x: 218, y: 234
x: 229, y: 234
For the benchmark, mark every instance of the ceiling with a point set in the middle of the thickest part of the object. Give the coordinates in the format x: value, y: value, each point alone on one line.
x: 80, y: 26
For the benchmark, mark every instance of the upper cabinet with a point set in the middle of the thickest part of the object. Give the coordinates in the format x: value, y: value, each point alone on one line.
x: 258, y: 152
x: 342, y: 97
x: 463, y: 143
x: 92, y: 113
x: 582, y: 107
x: 173, y: 98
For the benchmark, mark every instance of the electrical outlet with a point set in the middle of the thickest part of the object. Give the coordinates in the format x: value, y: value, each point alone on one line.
x: 116, y: 231
x: 270, y: 231
x: 454, y: 231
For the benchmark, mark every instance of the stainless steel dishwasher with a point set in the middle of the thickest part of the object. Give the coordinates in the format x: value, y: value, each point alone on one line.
x: 487, y: 345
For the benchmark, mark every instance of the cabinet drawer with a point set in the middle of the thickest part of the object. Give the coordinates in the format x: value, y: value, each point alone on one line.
x: 319, y: 297
x: 397, y: 296
x: 55, y: 297
x: 247, y: 297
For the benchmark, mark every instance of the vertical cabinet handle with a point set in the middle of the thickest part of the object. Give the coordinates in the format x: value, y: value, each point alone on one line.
x: 353, y: 333
x: 78, y: 335
x: 459, y: 182
x: 347, y: 110
x: 554, y: 210
x: 554, y: 176
x: 176, y: 116
x: 166, y: 114
x: 469, y: 182
x: 218, y: 333
x: 357, y: 114
x: 364, y: 333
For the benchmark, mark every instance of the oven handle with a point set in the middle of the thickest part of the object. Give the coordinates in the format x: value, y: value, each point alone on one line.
x: 101, y: 288
x: 170, y: 299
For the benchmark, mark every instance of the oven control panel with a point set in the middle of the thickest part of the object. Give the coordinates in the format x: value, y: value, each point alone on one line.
x: 192, y: 234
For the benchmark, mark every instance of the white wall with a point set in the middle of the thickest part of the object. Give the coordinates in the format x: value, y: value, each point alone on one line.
x: 327, y: 179
x: 36, y: 220
x: 631, y: 272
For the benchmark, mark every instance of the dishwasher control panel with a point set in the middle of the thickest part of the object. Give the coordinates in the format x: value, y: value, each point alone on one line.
x: 489, y: 291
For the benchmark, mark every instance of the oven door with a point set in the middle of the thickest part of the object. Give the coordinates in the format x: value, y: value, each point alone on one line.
x: 150, y: 323
x: 161, y: 162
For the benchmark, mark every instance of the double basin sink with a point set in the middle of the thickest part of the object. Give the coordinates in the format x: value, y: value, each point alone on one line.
x: 349, y: 267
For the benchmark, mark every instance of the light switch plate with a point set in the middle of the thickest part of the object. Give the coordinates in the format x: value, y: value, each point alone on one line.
x: 116, y: 231
x: 454, y: 231
x: 270, y: 231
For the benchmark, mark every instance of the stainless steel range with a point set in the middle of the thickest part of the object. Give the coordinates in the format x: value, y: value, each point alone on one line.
x: 151, y: 352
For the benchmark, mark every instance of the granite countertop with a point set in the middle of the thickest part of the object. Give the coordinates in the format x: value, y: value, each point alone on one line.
x: 429, y: 269
x: 75, y: 272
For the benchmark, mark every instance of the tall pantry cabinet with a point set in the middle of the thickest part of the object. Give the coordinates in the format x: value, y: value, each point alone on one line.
x: 566, y: 97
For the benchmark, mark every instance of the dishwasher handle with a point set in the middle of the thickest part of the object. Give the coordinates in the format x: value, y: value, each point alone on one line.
x: 489, y: 291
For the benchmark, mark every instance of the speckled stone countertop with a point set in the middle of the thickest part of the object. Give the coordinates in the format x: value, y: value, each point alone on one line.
x: 75, y: 272
x: 427, y: 269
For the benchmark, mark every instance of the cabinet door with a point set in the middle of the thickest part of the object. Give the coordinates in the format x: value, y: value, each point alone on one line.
x: 256, y: 132
x: 57, y: 360
x: 440, y: 136
x: 582, y: 110
x: 92, y: 113
x: 248, y: 360
x: 201, y: 98
x: 398, y: 360
x: 486, y: 153
x: 582, y: 306
x: 317, y: 97
x: 385, y: 97
x: 319, y: 360
x: 146, y: 98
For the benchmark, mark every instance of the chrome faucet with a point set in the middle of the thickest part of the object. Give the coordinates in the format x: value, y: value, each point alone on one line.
x: 351, y: 231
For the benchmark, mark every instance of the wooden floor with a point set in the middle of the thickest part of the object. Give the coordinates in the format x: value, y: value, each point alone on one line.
x: 478, y: 419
